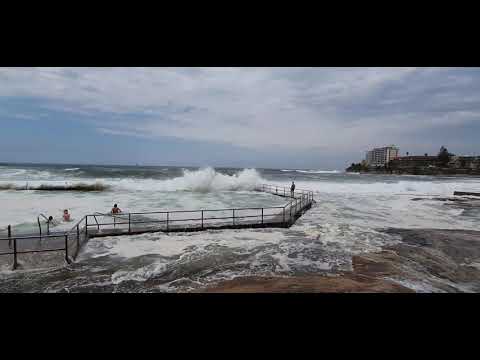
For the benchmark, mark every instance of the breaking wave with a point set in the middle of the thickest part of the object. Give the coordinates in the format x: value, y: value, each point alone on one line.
x: 54, y: 187
x: 202, y: 180
x: 319, y: 171
x: 314, y: 171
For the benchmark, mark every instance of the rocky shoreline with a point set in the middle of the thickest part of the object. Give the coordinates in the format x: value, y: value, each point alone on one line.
x: 307, y: 284
x: 425, y: 260
x: 425, y: 172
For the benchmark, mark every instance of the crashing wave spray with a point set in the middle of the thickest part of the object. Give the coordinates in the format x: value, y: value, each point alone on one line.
x: 56, y: 187
x: 202, y: 180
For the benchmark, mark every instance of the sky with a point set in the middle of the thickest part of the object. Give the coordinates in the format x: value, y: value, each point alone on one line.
x: 310, y: 118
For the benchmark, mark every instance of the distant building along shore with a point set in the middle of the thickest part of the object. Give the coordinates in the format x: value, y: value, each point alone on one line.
x: 387, y: 160
x: 381, y: 156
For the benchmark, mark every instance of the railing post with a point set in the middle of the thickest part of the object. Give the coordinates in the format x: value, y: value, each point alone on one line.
x: 290, y: 218
x: 202, y: 219
x: 168, y: 216
x: 129, y: 223
x: 9, y: 236
x: 66, y: 250
x: 78, y: 237
x: 86, y: 227
x: 262, y: 216
x: 284, y: 215
x: 14, y: 254
x: 39, y: 227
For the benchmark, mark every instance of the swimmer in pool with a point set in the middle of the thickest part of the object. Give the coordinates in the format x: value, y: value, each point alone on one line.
x: 66, y: 215
x: 116, y: 209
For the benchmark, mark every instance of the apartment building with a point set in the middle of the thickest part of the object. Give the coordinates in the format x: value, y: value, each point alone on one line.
x: 381, y: 156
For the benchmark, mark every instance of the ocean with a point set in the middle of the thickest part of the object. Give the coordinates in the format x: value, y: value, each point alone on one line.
x: 349, y: 218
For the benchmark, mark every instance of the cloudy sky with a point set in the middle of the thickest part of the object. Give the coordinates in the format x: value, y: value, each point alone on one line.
x: 318, y: 118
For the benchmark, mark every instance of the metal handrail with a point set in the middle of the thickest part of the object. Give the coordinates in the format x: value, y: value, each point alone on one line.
x: 297, y: 203
x: 40, y: 226
x: 77, y: 224
x: 299, y: 200
x: 15, y: 252
x: 286, y: 189
x: 33, y: 237
x: 188, y: 219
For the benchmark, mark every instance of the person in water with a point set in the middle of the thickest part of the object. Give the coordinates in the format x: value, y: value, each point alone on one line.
x: 292, y: 189
x: 49, y: 221
x: 116, y: 209
x: 66, y: 215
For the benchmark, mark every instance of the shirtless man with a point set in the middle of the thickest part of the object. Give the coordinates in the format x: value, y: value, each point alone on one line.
x: 116, y: 210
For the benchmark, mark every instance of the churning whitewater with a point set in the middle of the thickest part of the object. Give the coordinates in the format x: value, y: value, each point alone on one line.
x: 350, y: 218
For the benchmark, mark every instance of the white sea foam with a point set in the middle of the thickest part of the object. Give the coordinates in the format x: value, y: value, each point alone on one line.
x: 445, y: 187
x: 203, y: 180
x: 319, y: 171
x: 179, y: 247
x: 141, y: 274
x: 313, y: 171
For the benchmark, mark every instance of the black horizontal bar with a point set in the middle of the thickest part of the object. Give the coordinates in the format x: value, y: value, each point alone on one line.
x: 188, y: 219
x: 34, y: 237
x: 39, y: 251
x: 192, y: 211
x: 191, y: 219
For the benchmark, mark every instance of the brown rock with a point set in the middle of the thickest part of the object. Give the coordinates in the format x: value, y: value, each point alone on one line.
x: 307, y: 284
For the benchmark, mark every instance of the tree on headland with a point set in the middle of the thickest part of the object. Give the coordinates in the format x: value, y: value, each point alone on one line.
x: 360, y: 167
x: 444, y: 156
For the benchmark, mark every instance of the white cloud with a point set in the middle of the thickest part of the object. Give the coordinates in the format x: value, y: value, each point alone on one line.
x: 297, y: 108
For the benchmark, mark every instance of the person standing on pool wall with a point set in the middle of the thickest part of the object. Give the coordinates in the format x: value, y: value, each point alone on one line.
x: 292, y: 189
x: 116, y: 210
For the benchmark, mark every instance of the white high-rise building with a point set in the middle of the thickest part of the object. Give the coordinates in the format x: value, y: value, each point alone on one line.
x: 381, y: 156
